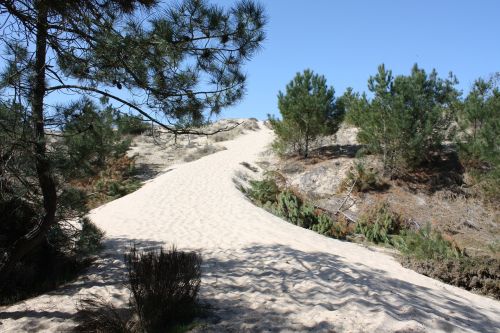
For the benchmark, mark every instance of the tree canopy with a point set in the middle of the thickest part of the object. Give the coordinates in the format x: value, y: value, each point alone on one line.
x: 407, y: 118
x: 307, y: 109
x: 162, y: 61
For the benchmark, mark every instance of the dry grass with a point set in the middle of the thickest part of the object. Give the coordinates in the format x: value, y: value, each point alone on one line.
x: 205, y: 150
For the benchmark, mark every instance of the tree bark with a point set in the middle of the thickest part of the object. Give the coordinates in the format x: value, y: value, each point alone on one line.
x: 306, y: 154
x: 35, y: 236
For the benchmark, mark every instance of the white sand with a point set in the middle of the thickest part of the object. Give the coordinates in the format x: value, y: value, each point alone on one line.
x: 260, y: 272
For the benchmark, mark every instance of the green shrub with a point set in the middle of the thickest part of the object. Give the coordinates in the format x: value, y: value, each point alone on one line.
x: 427, y: 243
x: 263, y: 191
x: 295, y: 210
x: 379, y: 223
x: 480, y: 274
x: 89, y: 239
x: 407, y: 118
x: 164, y: 286
x: 324, y: 225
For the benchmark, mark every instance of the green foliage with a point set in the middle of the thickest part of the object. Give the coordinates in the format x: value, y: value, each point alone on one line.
x: 284, y: 203
x: 427, y: 243
x: 308, y: 110
x: 185, y: 60
x: 324, y: 225
x: 263, y: 191
x: 480, y: 274
x: 295, y: 210
x: 338, y: 228
x: 89, y: 239
x: 478, y: 140
x: 164, y: 286
x: 89, y: 138
x: 407, y: 117
x: 129, y: 124
x: 115, y: 189
x: 380, y: 223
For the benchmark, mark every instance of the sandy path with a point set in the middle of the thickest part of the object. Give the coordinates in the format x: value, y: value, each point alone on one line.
x: 260, y: 273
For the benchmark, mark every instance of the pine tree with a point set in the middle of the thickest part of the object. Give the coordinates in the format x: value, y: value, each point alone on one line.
x: 308, y: 110
x: 407, y: 118
x: 185, y: 59
x: 479, y: 137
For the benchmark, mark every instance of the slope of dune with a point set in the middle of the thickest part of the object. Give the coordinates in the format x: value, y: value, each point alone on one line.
x: 260, y: 273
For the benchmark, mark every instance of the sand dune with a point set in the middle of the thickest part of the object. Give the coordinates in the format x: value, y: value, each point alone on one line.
x: 260, y: 272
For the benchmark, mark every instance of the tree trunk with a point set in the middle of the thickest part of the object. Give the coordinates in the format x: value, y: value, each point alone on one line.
x: 306, y: 152
x: 34, y: 237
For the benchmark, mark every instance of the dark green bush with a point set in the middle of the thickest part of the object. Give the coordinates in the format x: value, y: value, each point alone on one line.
x: 164, y: 286
x: 97, y: 315
x: 89, y: 239
x: 294, y: 209
x: 324, y: 225
x: 89, y: 139
x: 263, y: 191
x: 379, y: 223
x: 480, y: 274
x: 426, y: 243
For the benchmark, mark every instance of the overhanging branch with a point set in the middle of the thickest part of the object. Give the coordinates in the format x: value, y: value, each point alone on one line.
x: 173, y: 130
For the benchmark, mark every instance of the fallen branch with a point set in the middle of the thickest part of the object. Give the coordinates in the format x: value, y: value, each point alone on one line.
x: 346, y: 197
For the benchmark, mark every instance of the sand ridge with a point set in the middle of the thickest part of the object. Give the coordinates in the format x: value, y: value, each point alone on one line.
x: 260, y: 273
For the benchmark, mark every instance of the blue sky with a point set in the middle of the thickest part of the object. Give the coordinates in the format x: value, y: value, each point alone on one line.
x: 347, y: 40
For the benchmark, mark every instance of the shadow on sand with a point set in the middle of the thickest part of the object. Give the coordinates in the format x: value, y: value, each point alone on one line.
x: 260, y: 274
x: 107, y: 271
x: 332, y: 284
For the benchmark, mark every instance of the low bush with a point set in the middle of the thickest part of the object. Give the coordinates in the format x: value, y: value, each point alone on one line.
x: 379, y: 223
x: 97, y: 315
x: 164, y: 286
x: 207, y: 149
x: 263, y: 191
x: 251, y: 124
x: 89, y: 240
x: 480, y: 274
x: 293, y: 208
x: 427, y: 243
x: 290, y: 206
x: 324, y: 226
